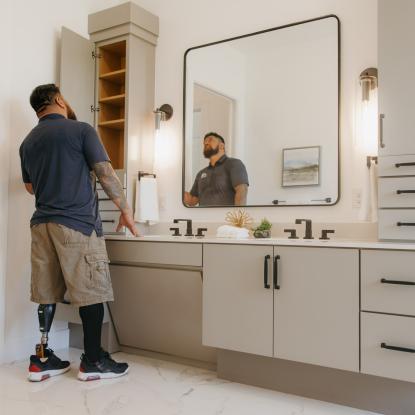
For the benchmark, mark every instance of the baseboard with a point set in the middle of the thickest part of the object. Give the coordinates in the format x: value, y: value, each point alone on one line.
x: 21, y: 348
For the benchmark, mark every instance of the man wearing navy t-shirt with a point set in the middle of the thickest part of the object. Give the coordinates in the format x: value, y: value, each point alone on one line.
x: 61, y: 159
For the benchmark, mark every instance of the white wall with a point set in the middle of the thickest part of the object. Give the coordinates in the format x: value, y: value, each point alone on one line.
x: 34, y: 31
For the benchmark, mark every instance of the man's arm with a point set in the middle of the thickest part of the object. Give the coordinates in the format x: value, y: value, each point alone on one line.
x: 113, y: 188
x: 241, y: 192
x: 29, y: 188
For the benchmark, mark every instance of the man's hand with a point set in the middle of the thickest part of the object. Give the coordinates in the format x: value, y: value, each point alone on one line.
x: 126, y: 219
x: 29, y: 188
x: 190, y: 200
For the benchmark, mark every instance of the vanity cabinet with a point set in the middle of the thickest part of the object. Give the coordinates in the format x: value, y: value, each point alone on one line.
x: 109, y: 80
x: 307, y: 309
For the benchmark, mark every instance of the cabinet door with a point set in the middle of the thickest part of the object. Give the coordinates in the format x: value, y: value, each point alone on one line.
x: 317, y: 306
x: 237, y: 308
x: 77, y: 74
x: 396, y: 85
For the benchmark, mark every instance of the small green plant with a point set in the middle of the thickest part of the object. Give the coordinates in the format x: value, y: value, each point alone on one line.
x: 265, y: 225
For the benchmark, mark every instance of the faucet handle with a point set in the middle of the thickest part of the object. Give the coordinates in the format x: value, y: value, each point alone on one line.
x: 200, y: 233
x: 324, y: 233
x: 176, y: 231
x: 293, y: 233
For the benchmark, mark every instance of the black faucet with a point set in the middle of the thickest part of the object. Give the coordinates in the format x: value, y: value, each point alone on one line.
x: 189, y: 230
x: 308, y: 232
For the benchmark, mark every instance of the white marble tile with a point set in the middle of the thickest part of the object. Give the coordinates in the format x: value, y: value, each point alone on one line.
x: 152, y: 387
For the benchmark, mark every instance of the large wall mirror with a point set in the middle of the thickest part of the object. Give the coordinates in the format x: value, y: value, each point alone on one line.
x: 271, y: 99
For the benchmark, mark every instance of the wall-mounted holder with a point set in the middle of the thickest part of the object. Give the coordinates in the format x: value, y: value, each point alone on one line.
x: 144, y: 174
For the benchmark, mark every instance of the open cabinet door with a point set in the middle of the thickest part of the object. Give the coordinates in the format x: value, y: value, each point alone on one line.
x: 77, y: 74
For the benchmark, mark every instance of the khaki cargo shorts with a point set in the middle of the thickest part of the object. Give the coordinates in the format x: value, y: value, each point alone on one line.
x: 67, y: 261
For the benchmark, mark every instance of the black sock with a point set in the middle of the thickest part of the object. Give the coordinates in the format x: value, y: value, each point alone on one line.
x: 92, y: 317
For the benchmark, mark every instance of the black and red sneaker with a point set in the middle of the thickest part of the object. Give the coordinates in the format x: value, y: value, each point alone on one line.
x: 104, y: 368
x: 42, y: 369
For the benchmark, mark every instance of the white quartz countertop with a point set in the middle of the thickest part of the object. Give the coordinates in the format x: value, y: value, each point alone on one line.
x: 332, y: 243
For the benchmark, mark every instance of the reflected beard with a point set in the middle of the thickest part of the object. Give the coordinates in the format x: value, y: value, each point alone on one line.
x: 209, y: 152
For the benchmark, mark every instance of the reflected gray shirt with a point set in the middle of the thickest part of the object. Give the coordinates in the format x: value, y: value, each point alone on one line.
x: 215, y: 185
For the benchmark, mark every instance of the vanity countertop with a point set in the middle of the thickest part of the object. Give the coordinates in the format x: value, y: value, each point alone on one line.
x: 332, y: 243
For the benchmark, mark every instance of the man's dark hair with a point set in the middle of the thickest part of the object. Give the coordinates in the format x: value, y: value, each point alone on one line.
x: 42, y: 96
x: 211, y: 134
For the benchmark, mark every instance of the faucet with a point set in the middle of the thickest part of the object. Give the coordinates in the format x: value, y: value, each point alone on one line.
x: 189, y: 230
x: 308, y: 232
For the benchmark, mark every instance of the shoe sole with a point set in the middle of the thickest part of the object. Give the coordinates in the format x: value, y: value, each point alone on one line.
x: 46, y: 374
x: 97, y: 375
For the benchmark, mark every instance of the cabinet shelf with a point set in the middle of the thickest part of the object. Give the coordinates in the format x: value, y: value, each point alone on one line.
x: 114, y: 100
x: 117, y: 77
x: 113, y: 124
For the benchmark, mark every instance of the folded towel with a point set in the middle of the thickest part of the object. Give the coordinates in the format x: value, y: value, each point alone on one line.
x: 228, y: 231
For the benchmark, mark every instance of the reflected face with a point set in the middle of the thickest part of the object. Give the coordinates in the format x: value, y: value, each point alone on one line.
x: 211, y: 146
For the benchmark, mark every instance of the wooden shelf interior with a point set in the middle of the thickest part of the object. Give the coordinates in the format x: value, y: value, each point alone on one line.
x: 111, y: 98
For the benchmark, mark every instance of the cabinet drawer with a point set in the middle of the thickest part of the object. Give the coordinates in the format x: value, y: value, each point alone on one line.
x: 396, y: 192
x: 386, y: 296
x: 110, y: 221
x: 393, y: 224
x: 395, y: 331
x: 390, y: 165
x: 156, y: 252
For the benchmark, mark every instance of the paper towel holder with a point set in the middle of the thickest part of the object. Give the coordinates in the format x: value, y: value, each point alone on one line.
x: 145, y: 174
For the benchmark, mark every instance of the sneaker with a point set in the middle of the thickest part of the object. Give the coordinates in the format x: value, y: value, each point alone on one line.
x: 42, y: 369
x: 104, y: 368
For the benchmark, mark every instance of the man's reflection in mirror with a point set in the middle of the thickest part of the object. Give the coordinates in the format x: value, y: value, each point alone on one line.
x: 223, y: 182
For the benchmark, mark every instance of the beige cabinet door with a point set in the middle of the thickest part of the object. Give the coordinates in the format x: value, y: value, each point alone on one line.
x: 237, y: 299
x: 317, y: 306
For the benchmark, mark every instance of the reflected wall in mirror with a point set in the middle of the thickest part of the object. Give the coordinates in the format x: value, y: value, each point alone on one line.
x: 264, y: 94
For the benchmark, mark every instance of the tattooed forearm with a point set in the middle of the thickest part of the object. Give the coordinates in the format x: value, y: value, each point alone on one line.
x: 111, y: 184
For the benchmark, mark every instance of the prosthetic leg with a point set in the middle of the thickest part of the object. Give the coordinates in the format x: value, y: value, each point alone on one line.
x: 45, y: 313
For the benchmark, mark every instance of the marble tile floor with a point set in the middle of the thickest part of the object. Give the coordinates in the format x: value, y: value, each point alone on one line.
x: 152, y: 387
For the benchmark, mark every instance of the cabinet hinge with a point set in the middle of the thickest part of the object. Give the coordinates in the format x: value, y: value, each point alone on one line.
x: 95, y: 55
x: 94, y: 109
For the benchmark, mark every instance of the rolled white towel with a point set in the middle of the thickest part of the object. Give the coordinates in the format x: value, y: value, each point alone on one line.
x: 228, y: 231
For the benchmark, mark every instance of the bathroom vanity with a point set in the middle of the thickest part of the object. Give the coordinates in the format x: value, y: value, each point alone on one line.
x: 304, y: 317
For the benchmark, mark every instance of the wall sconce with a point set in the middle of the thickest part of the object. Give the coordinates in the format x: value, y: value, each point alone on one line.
x: 164, y: 113
x: 368, y: 81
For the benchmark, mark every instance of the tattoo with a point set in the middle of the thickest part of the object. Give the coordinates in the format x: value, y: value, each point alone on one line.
x: 111, y: 184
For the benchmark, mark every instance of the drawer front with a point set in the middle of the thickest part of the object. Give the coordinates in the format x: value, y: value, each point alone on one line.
x: 390, y: 165
x: 156, y: 252
x: 107, y: 205
x: 388, y: 296
x: 110, y: 221
x: 389, y: 220
x: 397, y: 192
x: 391, y: 331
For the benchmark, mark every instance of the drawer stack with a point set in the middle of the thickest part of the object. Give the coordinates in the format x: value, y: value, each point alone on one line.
x: 397, y: 197
x: 388, y: 314
x: 107, y: 209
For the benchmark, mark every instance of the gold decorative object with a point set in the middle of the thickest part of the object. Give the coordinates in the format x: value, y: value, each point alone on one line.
x: 239, y: 218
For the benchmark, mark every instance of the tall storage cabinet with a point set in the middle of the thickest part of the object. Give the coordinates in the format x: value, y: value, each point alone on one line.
x: 109, y: 80
x: 396, y: 33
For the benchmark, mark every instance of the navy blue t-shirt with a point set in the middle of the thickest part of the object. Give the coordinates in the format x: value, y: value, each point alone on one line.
x: 57, y: 158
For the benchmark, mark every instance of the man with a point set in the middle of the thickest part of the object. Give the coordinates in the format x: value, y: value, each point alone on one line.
x: 58, y: 159
x: 223, y: 182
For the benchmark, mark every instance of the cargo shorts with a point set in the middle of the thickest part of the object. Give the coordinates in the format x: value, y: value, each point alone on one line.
x: 68, y: 265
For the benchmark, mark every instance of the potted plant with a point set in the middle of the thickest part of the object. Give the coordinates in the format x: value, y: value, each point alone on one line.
x: 263, y: 230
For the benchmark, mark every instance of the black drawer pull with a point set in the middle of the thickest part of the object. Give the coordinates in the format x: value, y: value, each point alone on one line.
x: 108, y: 221
x: 266, y: 258
x: 385, y: 281
x: 405, y: 224
x: 104, y: 198
x: 276, y: 258
x: 398, y: 349
x: 397, y: 165
x: 399, y: 192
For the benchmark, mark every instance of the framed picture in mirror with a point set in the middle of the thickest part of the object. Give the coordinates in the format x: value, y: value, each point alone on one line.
x: 301, y: 166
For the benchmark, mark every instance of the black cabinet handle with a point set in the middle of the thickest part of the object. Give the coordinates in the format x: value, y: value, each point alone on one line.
x: 404, y: 191
x: 405, y: 224
x: 266, y: 258
x: 276, y: 258
x: 385, y: 281
x: 108, y: 221
x: 397, y: 348
x: 397, y: 165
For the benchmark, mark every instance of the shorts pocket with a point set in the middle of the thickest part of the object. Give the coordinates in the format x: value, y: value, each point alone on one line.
x: 99, y: 274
